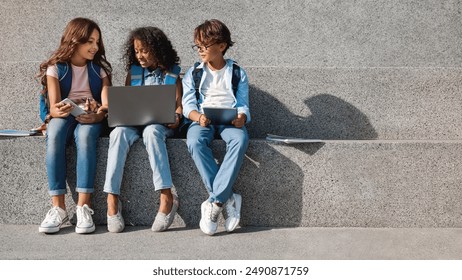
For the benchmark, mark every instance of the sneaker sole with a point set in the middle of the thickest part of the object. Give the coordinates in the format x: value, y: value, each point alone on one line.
x: 54, y: 229
x: 85, y: 230
x: 49, y: 230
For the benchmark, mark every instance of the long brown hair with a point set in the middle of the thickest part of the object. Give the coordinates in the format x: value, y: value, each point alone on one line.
x: 77, y: 31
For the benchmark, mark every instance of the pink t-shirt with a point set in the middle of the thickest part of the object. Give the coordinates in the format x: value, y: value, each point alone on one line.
x: 80, y: 88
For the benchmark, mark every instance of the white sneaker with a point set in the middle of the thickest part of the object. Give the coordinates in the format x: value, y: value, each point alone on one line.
x: 116, y: 223
x: 209, y: 219
x: 163, y: 222
x: 84, y: 221
x: 54, y: 219
x: 232, y: 212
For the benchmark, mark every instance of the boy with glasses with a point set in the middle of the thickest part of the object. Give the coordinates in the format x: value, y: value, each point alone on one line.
x: 212, y: 39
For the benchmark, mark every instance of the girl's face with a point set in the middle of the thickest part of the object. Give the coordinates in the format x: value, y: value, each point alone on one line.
x: 86, y: 51
x: 144, y: 56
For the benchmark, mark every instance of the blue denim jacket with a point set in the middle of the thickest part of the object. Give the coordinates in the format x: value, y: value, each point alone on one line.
x: 241, y: 100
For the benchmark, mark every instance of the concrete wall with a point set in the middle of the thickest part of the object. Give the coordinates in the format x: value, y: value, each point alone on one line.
x: 379, y: 80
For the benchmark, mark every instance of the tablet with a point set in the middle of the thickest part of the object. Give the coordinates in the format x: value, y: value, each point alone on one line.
x: 220, y: 115
x: 76, y: 111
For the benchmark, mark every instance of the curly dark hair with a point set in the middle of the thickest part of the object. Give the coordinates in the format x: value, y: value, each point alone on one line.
x: 157, y: 43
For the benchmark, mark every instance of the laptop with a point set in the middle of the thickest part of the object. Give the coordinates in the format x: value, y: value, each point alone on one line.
x: 141, y: 105
x: 220, y: 115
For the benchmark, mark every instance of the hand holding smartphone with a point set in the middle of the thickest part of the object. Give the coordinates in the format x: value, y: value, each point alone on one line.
x: 76, y: 110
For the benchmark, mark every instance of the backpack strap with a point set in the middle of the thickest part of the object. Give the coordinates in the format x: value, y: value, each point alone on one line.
x: 197, y: 76
x: 65, y: 84
x: 95, y: 80
x: 236, y: 77
x: 136, y: 75
x: 172, y: 75
x: 65, y: 80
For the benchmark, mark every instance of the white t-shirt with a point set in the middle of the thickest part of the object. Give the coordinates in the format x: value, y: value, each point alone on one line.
x: 80, y: 88
x: 216, y: 89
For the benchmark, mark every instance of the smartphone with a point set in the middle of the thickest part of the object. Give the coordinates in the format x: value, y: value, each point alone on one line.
x: 76, y: 111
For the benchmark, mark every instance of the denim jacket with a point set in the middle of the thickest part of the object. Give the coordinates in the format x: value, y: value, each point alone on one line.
x: 241, y: 100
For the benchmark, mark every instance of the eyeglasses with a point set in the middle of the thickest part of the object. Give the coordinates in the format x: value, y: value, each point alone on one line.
x: 201, y: 48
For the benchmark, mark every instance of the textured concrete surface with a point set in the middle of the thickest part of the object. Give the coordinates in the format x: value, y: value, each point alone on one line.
x: 140, y: 243
x: 329, y: 103
x: 314, y: 33
x: 387, y: 72
x: 332, y: 184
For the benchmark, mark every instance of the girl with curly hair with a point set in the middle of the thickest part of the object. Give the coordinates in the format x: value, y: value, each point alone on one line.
x: 81, y: 54
x: 150, y: 59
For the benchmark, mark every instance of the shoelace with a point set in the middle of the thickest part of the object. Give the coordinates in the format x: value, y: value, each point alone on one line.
x: 86, y: 212
x: 52, y: 216
x: 214, y: 212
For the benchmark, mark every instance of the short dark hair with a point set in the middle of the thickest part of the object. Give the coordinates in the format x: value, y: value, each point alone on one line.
x: 212, y: 32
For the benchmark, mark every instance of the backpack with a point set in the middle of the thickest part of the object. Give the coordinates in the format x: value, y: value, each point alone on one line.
x: 137, y: 75
x: 65, y: 83
x: 197, y: 76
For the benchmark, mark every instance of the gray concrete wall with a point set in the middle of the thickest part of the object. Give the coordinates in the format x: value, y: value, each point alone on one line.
x: 327, y: 69
x: 314, y: 33
x: 332, y: 184
x: 325, y: 103
x: 380, y: 79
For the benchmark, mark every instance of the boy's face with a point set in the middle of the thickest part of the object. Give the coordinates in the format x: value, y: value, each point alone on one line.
x: 210, y: 52
x: 143, y: 55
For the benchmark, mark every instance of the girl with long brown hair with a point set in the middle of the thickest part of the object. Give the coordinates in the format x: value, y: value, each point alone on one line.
x: 76, y: 71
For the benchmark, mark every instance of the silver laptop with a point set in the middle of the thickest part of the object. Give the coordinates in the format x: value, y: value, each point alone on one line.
x: 141, y: 105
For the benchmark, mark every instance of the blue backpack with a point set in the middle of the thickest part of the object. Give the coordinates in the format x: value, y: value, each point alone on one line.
x: 197, y: 76
x: 65, y: 83
x: 137, y: 75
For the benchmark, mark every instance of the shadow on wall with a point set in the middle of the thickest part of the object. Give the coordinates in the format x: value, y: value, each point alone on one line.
x: 271, y: 181
x: 331, y: 118
x: 271, y: 185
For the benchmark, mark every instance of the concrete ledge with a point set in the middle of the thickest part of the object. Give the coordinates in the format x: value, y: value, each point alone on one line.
x: 332, y: 184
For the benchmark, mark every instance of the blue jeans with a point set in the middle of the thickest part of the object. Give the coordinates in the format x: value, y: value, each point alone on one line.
x: 120, y: 141
x: 60, y: 132
x: 218, y: 180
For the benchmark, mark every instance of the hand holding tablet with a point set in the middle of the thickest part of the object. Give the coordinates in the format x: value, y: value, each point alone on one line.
x: 76, y: 111
x: 220, y: 115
